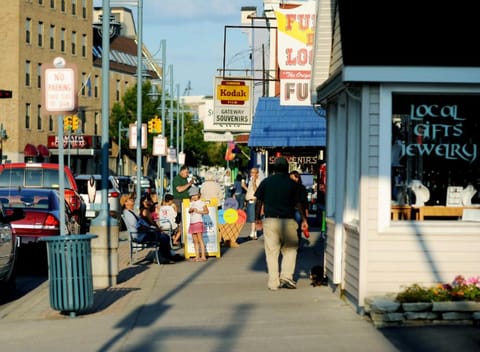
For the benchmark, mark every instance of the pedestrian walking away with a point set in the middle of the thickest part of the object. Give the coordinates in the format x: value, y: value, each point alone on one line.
x: 253, y: 183
x: 279, y: 196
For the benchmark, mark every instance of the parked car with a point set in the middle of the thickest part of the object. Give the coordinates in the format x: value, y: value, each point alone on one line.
x: 42, y: 213
x: 114, y: 195
x: 125, y: 184
x: 147, y: 185
x: 8, y: 250
x: 45, y: 175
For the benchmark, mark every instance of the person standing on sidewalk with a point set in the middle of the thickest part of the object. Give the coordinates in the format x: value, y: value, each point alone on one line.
x: 280, y: 196
x: 197, y: 209
x: 180, y: 186
x: 253, y: 184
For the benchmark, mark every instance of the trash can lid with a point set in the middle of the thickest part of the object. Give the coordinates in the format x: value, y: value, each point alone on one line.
x: 68, y: 237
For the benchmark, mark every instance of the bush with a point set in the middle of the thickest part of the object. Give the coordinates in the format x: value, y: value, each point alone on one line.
x: 459, y: 290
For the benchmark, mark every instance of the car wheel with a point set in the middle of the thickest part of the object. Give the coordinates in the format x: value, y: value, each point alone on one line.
x: 8, y: 287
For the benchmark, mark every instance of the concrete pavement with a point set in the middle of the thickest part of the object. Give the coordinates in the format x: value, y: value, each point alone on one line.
x: 220, y: 305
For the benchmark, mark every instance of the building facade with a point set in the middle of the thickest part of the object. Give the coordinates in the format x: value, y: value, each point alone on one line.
x: 402, y: 147
x: 42, y: 31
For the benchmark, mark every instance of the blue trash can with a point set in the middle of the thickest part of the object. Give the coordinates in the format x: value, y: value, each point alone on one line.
x: 70, y: 272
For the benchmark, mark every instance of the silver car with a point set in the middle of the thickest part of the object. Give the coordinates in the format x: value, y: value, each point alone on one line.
x: 113, y: 190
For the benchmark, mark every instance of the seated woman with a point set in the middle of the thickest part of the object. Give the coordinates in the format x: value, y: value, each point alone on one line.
x: 131, y: 220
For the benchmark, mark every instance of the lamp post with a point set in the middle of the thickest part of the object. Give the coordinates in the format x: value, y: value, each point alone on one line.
x: 178, y: 127
x: 154, y: 94
x: 105, y: 245
x: 170, y: 116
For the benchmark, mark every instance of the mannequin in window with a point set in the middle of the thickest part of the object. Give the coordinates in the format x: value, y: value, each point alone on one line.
x: 422, y: 194
x: 467, y: 195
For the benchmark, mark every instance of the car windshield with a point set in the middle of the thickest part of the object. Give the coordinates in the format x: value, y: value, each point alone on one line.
x: 33, y: 178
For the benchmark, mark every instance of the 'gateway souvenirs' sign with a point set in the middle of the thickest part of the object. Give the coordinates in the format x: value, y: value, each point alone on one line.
x: 232, y: 106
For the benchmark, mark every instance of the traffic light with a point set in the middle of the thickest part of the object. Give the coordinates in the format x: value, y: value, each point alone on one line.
x: 67, y: 123
x: 158, y: 125
x: 5, y: 94
x: 150, y: 126
x: 75, y: 123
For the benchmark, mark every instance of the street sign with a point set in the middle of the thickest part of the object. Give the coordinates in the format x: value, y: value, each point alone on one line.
x: 132, y: 136
x: 159, y: 146
x: 59, y: 91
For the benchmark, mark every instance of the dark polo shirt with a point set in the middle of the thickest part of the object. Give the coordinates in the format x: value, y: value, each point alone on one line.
x: 279, y: 195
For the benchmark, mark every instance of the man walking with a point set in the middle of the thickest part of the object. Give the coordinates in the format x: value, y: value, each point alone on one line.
x: 280, y: 196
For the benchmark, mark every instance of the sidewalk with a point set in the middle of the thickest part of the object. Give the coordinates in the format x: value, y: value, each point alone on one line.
x: 220, y: 305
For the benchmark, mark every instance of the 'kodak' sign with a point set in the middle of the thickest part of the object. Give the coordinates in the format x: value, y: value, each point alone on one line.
x: 233, y: 92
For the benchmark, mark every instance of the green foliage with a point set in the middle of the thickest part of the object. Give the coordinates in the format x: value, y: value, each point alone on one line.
x: 198, y: 152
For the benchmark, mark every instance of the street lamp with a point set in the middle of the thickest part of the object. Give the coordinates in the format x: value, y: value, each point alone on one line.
x: 170, y: 116
x: 105, y: 83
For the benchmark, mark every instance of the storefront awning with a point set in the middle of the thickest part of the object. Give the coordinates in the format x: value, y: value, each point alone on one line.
x: 276, y: 125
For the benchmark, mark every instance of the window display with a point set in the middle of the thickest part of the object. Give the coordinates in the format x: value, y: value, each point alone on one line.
x: 435, y: 157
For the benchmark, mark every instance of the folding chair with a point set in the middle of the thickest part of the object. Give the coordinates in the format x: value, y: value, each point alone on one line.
x: 136, y: 246
x: 167, y: 228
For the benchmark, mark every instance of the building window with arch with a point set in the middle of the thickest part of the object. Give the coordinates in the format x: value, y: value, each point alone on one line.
x: 62, y: 6
x: 39, y: 75
x: 52, y: 37
x: 84, y: 45
x: 28, y: 115
x: 84, y: 8
x: 28, y: 31
x: 40, y: 34
x: 39, y: 117
x: 117, y: 90
x: 74, y: 7
x: 74, y: 43
x: 95, y: 87
x: 435, y: 170
x: 52, y: 4
x: 62, y: 40
x: 28, y: 73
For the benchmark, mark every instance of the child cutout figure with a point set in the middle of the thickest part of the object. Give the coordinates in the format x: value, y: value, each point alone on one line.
x: 197, y: 209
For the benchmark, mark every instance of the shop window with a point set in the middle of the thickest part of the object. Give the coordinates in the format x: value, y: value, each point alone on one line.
x: 435, y: 171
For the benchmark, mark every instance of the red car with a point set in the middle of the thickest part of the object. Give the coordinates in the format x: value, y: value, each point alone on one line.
x: 8, y: 251
x: 45, y: 175
x: 42, y: 213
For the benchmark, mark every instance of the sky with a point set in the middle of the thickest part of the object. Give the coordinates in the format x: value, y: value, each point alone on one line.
x: 194, y: 34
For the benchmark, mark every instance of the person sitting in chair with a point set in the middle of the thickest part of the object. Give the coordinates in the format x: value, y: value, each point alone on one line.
x: 131, y: 220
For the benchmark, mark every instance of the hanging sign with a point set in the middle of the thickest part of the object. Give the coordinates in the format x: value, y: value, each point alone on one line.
x: 159, y: 146
x: 172, y: 155
x: 296, y: 28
